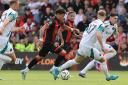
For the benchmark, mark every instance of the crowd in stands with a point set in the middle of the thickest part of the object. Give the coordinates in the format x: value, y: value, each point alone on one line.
x: 33, y: 14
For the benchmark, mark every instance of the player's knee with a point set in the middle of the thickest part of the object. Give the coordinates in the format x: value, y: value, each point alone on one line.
x: 78, y: 60
x: 101, y: 60
x: 8, y: 59
x: 114, y: 52
x: 38, y: 58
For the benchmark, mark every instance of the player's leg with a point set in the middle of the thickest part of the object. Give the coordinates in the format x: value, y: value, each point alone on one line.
x: 99, y: 57
x: 10, y: 52
x: 112, y: 52
x: 4, y: 59
x: 89, y: 66
x: 61, y: 56
x: 79, y: 57
x: 66, y: 65
x: 42, y: 53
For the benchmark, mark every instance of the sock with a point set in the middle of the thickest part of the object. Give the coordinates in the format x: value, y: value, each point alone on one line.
x: 68, y: 64
x: 109, y: 55
x: 58, y: 61
x: 89, y: 66
x: 5, y: 58
x: 1, y: 64
x: 26, y: 69
x: 105, y: 69
x: 32, y: 63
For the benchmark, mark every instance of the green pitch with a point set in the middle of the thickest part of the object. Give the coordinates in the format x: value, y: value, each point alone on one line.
x: 44, y: 78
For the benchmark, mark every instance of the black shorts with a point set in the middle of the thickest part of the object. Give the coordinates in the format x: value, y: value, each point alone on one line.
x: 49, y: 47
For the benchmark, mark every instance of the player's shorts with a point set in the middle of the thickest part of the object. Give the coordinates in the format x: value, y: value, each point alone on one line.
x: 7, y: 49
x: 49, y: 48
x: 91, y: 52
x: 107, y: 46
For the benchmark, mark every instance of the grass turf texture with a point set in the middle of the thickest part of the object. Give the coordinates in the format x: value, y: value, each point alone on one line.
x: 45, y: 78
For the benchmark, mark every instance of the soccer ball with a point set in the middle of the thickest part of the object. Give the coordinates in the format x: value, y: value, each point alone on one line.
x: 65, y: 75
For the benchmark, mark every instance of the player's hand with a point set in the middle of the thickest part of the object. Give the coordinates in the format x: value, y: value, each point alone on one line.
x: 62, y: 44
x: 76, y: 30
x: 21, y: 29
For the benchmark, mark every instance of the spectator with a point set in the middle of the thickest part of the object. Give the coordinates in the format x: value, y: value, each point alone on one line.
x: 30, y: 46
x: 121, y: 42
x: 86, y: 5
x: 79, y: 16
x: 47, y: 15
x: 34, y: 5
x: 56, y: 5
x: 70, y: 8
x: 121, y: 11
x: 65, y: 4
x: 30, y: 28
x: 19, y: 21
x: 77, y: 5
x: 20, y: 47
x: 36, y: 44
x: 90, y: 13
x: 28, y: 14
x: 82, y: 25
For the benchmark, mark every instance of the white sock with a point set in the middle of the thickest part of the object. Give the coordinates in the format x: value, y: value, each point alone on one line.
x: 105, y: 69
x: 88, y: 67
x: 26, y: 69
x: 1, y: 64
x: 68, y: 64
x: 52, y: 67
x: 5, y: 58
x: 110, y: 55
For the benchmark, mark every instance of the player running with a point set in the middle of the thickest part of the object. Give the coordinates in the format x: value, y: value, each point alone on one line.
x: 110, y: 28
x: 51, y: 30
x: 86, y: 47
x: 7, y: 26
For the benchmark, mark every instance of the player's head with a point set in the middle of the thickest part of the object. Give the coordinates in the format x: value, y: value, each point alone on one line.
x: 14, y: 4
x: 101, y: 15
x: 60, y: 13
x: 113, y: 18
x: 71, y: 15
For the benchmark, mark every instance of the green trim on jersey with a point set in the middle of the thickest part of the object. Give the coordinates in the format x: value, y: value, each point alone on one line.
x: 92, y: 54
x: 4, y: 49
x: 12, y: 16
x: 100, y: 28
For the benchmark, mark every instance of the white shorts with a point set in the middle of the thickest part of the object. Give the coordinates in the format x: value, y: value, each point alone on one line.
x: 107, y: 46
x: 7, y: 49
x: 91, y: 52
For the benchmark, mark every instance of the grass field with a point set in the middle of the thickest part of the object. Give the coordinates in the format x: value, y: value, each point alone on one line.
x: 44, y: 78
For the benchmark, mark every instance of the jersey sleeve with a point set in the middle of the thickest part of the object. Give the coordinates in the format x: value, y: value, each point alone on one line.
x: 12, y: 17
x: 100, y: 28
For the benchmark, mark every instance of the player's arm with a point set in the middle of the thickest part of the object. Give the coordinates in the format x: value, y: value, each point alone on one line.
x: 3, y: 24
x: 116, y: 30
x: 99, y: 36
x: 18, y: 29
x: 71, y: 29
x: 61, y: 37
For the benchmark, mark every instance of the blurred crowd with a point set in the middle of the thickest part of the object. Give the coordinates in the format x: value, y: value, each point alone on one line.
x: 33, y: 14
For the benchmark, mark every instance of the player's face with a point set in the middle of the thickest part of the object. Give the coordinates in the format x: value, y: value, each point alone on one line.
x: 114, y: 19
x: 17, y: 6
x: 71, y: 16
x: 61, y: 17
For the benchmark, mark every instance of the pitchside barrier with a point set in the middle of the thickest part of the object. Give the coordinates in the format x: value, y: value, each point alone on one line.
x: 23, y: 58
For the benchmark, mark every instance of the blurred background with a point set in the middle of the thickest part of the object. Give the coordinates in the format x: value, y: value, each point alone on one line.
x: 33, y: 14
